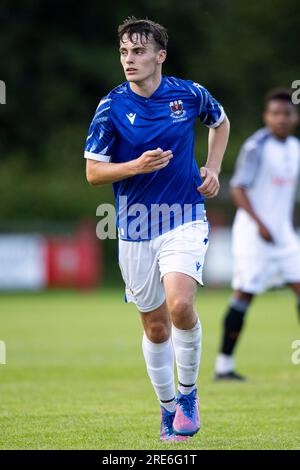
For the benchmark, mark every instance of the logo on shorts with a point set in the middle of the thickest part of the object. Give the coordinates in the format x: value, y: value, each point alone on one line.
x: 198, y: 266
x: 132, y: 292
x: 177, y: 109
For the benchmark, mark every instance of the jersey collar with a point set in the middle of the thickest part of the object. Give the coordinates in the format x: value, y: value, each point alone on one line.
x: 145, y: 99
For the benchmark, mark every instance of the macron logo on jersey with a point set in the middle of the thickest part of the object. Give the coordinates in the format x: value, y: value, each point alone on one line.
x: 198, y: 265
x: 131, y: 117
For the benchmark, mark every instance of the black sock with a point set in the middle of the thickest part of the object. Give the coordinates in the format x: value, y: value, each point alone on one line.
x: 232, y: 326
x: 298, y: 308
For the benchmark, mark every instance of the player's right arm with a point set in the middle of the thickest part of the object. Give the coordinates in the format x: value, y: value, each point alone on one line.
x: 99, y: 150
x: 98, y: 173
x: 240, y: 198
x: 243, y: 178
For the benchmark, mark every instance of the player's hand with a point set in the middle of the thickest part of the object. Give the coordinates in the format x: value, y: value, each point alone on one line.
x: 264, y: 233
x: 152, y: 160
x: 210, y: 186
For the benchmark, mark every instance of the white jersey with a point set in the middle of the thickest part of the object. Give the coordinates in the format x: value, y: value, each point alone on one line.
x: 269, y: 169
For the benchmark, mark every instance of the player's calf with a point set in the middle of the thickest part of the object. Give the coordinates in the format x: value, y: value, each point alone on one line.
x: 232, y: 327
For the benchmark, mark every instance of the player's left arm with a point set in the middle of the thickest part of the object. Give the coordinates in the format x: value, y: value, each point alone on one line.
x: 217, y: 143
x: 212, y: 115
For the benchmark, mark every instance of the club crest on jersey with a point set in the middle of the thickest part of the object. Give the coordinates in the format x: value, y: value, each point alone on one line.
x: 177, y: 109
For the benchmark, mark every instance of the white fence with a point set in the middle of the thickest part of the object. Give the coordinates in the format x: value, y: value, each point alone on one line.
x: 22, y: 262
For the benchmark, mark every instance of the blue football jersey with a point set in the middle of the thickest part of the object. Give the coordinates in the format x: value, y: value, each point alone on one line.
x: 126, y: 124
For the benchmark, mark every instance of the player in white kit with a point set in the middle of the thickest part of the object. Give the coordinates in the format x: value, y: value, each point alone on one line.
x: 266, y: 248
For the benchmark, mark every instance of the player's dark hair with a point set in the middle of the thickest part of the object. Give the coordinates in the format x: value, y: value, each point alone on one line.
x: 145, y: 29
x: 280, y: 93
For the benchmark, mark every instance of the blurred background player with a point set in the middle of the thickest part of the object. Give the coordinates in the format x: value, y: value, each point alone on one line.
x: 264, y: 242
x: 142, y: 140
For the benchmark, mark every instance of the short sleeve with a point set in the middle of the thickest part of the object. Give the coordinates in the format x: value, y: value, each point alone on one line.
x: 210, y: 111
x: 247, y: 165
x: 100, y: 141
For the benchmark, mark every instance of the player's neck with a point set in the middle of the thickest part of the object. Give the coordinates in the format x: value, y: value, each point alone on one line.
x: 281, y: 138
x: 148, y: 86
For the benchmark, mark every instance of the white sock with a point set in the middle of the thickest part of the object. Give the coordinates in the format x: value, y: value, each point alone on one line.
x: 224, y: 364
x: 160, y: 367
x: 170, y: 405
x: 187, y: 347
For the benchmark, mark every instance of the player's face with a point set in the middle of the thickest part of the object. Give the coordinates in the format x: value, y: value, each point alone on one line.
x: 140, y: 59
x: 281, y: 118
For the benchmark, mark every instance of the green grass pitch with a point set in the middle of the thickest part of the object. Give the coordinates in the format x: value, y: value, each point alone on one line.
x: 75, y: 376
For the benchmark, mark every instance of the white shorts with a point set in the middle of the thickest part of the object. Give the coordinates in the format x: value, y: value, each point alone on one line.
x: 259, y: 265
x: 143, y: 264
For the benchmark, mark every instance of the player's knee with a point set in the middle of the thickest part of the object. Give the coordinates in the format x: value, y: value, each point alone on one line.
x: 181, y: 310
x: 243, y: 297
x: 241, y: 303
x: 158, y: 331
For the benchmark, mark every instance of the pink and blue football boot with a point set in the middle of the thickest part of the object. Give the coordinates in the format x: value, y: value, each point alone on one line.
x: 187, y: 417
x: 166, y: 428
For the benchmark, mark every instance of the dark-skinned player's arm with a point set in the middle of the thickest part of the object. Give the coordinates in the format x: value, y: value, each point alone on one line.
x: 98, y: 173
x: 240, y: 199
x: 217, y: 143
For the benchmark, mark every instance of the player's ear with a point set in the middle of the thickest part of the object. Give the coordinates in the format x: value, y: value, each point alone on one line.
x: 264, y: 117
x: 265, y: 113
x: 296, y: 118
x: 161, y: 56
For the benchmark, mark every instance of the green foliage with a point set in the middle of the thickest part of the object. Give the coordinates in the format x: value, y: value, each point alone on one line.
x: 59, y: 58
